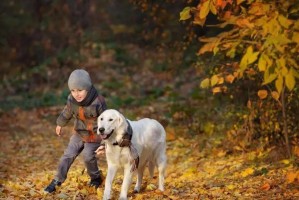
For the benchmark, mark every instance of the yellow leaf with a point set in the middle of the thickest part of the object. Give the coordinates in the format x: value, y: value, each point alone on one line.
x: 229, y: 78
x: 220, y: 80
x: 284, y: 22
x: 198, y: 20
x: 214, y: 80
x: 292, y: 176
x: 269, y: 79
x: 151, y: 187
x: 252, y: 57
x: 170, y: 133
x: 213, y: 7
x: 275, y: 95
x: 205, y: 83
x: 185, y: 14
x: 294, y: 72
x: 262, y: 64
x: 208, y: 47
x: 244, y: 23
x: 266, y: 187
x: 285, y: 161
x: 290, y: 80
x: 204, y: 9
x: 281, y: 62
x: 262, y: 94
x: 247, y: 172
x: 249, y: 58
x: 216, y: 90
x: 231, y: 187
x: 279, y: 84
x: 295, y: 37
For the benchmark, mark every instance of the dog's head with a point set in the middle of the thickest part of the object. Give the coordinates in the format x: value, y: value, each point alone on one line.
x: 111, y: 125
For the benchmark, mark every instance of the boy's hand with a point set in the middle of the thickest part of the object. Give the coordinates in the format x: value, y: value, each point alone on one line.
x: 58, y: 130
x: 100, y: 150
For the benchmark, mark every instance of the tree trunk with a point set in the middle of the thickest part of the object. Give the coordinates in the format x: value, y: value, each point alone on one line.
x: 285, y: 123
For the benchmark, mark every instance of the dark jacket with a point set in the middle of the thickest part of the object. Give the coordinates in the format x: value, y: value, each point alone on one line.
x: 85, y: 117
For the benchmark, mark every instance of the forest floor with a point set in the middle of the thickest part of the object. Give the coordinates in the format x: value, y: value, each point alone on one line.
x: 30, y: 151
x: 199, y: 167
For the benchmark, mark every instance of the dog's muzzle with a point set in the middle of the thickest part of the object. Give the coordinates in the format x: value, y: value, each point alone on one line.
x: 103, y: 135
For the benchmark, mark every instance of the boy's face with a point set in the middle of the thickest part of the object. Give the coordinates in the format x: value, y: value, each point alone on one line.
x: 79, y: 95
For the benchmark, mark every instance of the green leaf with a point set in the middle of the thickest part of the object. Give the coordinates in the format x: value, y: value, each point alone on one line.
x: 185, y: 14
x: 205, y: 83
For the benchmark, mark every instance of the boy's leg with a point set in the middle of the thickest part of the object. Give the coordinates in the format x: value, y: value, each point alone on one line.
x: 91, y: 163
x: 73, y: 149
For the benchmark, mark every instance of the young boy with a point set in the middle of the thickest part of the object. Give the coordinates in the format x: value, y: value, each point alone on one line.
x: 85, y: 105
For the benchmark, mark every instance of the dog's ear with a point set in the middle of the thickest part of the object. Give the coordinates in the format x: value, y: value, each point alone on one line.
x: 120, y: 119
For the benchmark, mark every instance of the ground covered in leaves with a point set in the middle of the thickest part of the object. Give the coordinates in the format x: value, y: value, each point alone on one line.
x: 30, y: 151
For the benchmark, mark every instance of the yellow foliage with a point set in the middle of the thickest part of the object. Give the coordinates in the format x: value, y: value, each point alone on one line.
x: 204, y: 9
x: 208, y: 47
x: 185, y: 14
x: 151, y: 187
x: 262, y: 94
x: 290, y: 80
x: 286, y: 162
x: 216, y: 90
x: 213, y: 7
x: 247, y: 172
x: 249, y: 58
x: 170, y: 133
x: 214, y: 80
x: 229, y: 78
x: 295, y: 37
x: 292, y: 176
x: 284, y: 22
x: 275, y: 95
x: 266, y: 187
x: 230, y: 187
x: 278, y: 84
x: 205, y: 83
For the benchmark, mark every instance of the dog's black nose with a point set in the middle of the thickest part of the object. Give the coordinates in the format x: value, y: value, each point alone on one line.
x: 101, y: 130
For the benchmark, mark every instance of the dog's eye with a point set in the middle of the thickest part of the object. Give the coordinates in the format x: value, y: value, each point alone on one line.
x: 102, y: 119
x: 110, y: 120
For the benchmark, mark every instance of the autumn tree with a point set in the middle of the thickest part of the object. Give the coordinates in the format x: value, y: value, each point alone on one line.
x: 260, y: 39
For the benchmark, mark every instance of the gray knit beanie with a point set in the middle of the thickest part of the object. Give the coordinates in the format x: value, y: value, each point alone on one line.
x: 79, y: 79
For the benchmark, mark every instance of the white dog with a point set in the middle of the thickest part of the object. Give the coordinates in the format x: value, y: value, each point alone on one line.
x: 131, y: 145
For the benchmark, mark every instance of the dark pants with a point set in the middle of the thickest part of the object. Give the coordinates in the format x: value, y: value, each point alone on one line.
x: 74, y: 148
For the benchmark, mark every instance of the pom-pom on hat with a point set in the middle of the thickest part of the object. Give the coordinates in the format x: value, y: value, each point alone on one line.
x: 79, y: 79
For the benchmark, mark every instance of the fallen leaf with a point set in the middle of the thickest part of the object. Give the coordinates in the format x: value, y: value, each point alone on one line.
x: 266, y: 187
x: 247, y: 172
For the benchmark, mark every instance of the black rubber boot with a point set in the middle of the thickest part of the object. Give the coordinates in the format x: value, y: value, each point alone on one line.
x: 51, y: 187
x: 96, y: 182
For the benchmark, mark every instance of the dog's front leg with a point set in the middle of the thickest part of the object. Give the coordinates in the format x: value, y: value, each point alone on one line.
x: 126, y: 182
x: 108, y: 182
